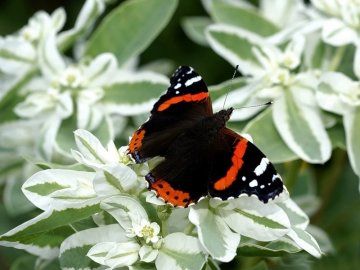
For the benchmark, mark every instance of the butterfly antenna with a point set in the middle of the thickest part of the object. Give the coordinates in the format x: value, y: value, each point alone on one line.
x: 233, y: 77
x: 257, y: 105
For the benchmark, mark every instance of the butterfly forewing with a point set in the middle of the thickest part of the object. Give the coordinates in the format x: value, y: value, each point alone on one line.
x: 185, y: 102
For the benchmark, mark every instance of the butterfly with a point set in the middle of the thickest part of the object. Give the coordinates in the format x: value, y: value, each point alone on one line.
x: 201, y: 155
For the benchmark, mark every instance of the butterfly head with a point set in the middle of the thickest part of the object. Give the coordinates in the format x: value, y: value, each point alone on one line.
x: 224, y: 115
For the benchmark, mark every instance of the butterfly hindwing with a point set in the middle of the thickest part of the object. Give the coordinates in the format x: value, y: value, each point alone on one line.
x: 246, y: 170
x: 185, y: 102
x: 181, y: 178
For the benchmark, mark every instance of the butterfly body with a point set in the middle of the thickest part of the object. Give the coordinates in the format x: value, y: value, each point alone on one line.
x: 201, y: 155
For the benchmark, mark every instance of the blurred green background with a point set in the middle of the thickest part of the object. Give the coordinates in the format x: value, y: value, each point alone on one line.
x: 338, y: 186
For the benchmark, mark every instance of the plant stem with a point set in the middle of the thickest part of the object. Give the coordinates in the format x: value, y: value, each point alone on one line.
x: 336, y: 60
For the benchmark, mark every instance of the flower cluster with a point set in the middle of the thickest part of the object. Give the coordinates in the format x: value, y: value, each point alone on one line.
x: 290, y: 59
x: 51, y: 84
x: 133, y: 227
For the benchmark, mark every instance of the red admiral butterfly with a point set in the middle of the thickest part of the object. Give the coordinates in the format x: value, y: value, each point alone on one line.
x: 202, y: 156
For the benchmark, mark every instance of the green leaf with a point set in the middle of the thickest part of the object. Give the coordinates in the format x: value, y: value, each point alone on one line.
x: 352, y: 130
x: 271, y: 144
x: 248, y: 19
x: 194, y: 27
x: 146, y: 17
x: 236, y: 46
x: 120, y: 207
x: 301, y: 127
x: 85, y: 21
x: 276, y: 248
x: 43, y: 234
x: 296, y: 216
x: 304, y: 240
x: 187, y: 255
x: 14, y: 200
x: 219, y: 90
x: 134, y: 95
x: 214, y: 234
x: 254, y: 219
x: 58, y: 188
x: 10, y: 89
x: 74, y: 249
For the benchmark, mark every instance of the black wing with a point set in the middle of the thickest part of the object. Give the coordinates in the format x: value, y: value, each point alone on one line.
x: 185, y: 102
x: 241, y: 168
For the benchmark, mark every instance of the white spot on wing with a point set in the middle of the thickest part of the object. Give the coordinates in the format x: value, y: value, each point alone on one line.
x: 260, y: 169
x: 275, y: 176
x: 262, y: 186
x: 253, y: 183
x: 177, y: 86
x: 177, y: 92
x: 243, y: 178
x: 192, y: 80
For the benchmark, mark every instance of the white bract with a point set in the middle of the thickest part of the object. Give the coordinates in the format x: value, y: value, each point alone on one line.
x: 146, y: 232
x: 341, y: 95
x: 277, y: 77
x: 342, y: 25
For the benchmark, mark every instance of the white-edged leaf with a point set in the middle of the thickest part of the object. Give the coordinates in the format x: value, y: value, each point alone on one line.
x: 240, y: 97
x: 236, y: 46
x: 322, y: 238
x: 352, y: 131
x: 194, y: 28
x: 14, y: 200
x: 337, y: 33
x: 50, y: 61
x: 180, y: 251
x: 58, y: 19
x: 115, y: 254
x: 92, y: 152
x: 214, y: 234
x: 115, y: 179
x: 254, y: 219
x: 124, y: 209
x: 91, y: 10
x: 43, y: 234
x: 300, y: 126
x: 132, y: 94
x: 101, y: 69
x: 304, y: 240
x: 296, y: 216
x: 245, y: 18
x: 15, y: 54
x: 332, y: 86
x: 275, y: 248
x: 73, y: 249
x: 56, y: 188
x: 272, y: 145
x: 147, y: 18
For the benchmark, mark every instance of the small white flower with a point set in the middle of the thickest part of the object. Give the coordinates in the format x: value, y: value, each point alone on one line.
x: 290, y: 60
x: 281, y: 76
x: 31, y: 32
x: 124, y: 157
x: 71, y: 77
x: 145, y: 229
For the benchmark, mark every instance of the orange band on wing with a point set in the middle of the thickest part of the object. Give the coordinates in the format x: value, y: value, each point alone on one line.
x: 136, y: 140
x: 171, y: 195
x: 186, y: 98
x: 237, y: 163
